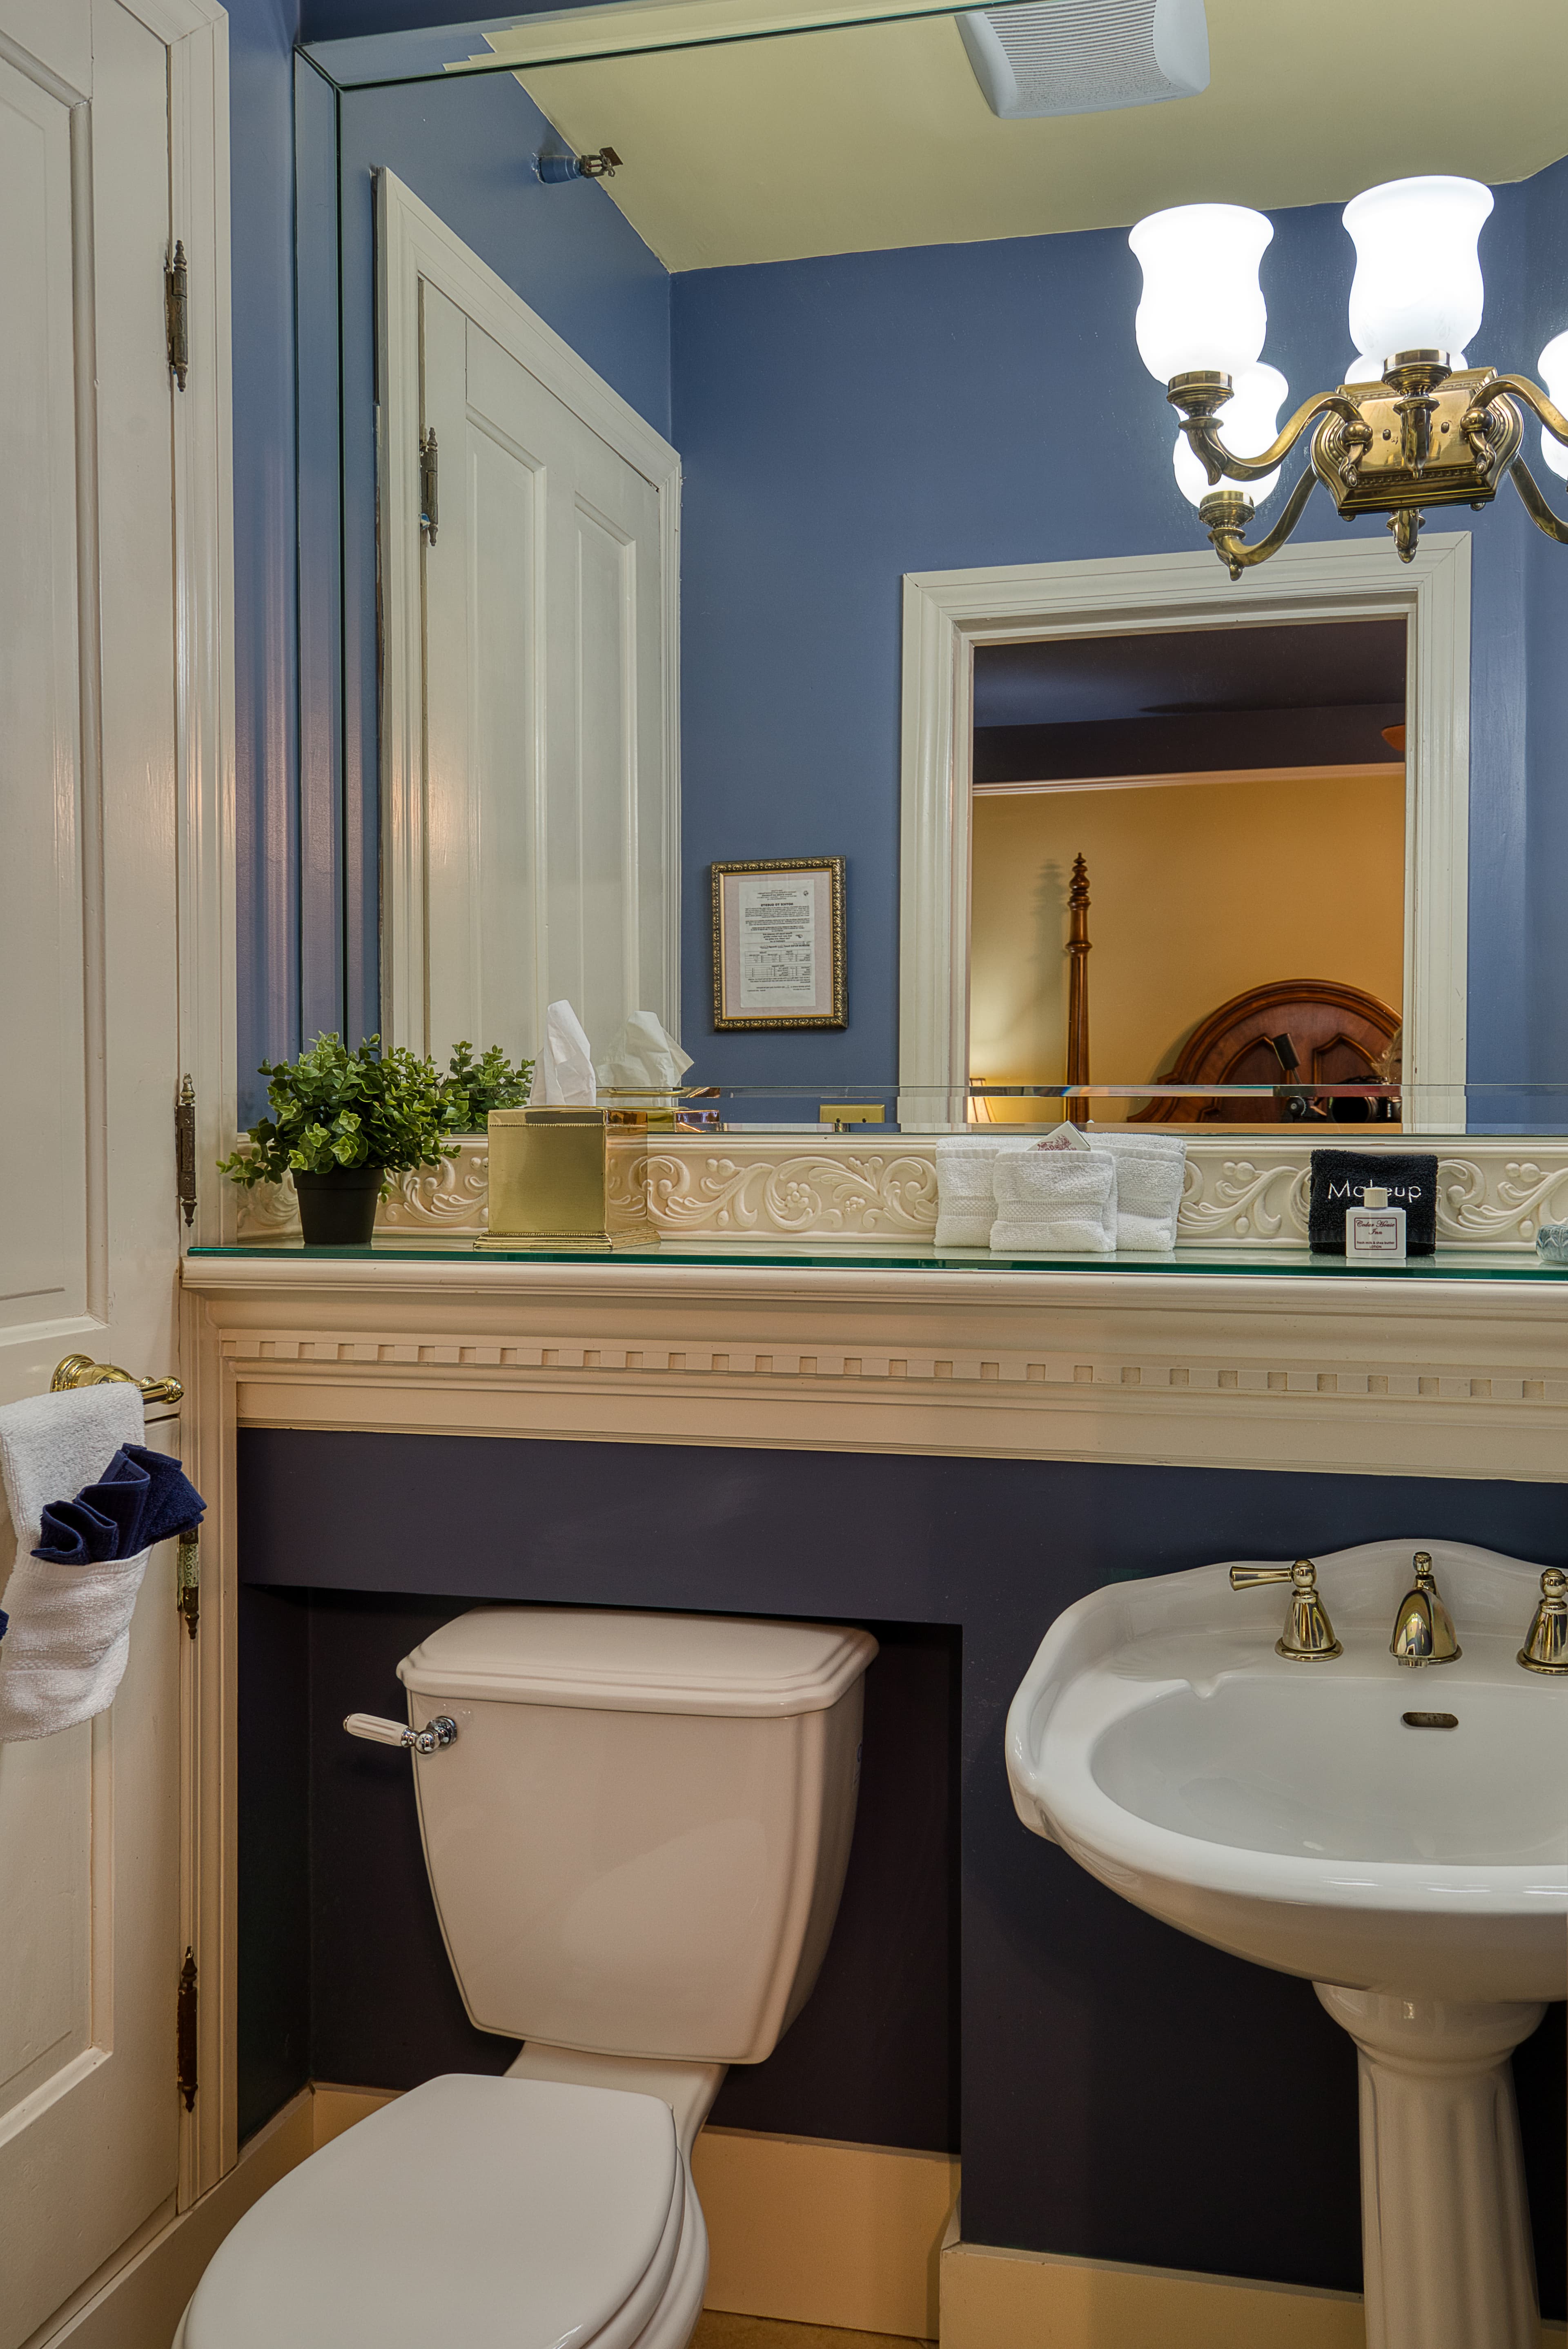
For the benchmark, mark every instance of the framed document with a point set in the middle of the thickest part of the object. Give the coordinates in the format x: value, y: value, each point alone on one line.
x: 778, y: 943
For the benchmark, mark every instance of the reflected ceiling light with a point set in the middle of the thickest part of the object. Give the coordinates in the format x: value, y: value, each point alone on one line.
x: 1252, y: 420
x: 1552, y: 369
x: 1086, y: 57
x: 1413, y: 425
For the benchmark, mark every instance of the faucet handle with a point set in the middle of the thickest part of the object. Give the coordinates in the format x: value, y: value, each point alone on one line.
x: 1546, y: 1648
x: 1308, y: 1637
x: 1423, y: 1628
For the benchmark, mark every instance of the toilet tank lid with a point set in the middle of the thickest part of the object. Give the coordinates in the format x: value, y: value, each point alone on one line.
x: 607, y: 1662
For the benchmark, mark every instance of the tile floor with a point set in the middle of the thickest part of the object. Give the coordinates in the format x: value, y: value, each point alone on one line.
x: 715, y: 2330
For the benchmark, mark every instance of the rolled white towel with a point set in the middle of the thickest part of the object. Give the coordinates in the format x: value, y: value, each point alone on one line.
x: 1149, y: 1198
x: 1055, y: 1202
x: 68, y: 1635
x: 965, y: 1207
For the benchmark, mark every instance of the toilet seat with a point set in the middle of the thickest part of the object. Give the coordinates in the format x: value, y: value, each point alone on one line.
x: 505, y: 2214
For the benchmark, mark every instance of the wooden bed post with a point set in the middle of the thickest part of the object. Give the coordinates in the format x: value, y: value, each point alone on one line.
x: 1078, y: 976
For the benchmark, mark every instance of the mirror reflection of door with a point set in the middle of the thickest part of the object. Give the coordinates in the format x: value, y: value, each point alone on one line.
x: 530, y: 685
x: 1237, y: 796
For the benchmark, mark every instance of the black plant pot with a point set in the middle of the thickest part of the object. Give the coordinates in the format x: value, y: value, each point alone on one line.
x: 338, y: 1209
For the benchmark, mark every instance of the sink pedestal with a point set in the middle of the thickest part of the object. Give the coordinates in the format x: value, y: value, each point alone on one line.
x: 1445, y: 2224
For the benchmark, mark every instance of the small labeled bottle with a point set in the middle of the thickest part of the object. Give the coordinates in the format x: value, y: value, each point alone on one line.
x: 1375, y: 1232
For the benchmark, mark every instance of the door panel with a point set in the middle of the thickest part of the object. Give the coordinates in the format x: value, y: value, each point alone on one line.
x: 545, y: 791
x: 89, y: 1051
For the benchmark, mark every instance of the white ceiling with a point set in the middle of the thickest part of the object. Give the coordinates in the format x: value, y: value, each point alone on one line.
x: 871, y: 136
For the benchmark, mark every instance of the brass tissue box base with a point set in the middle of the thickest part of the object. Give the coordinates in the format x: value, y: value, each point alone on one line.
x: 569, y: 1180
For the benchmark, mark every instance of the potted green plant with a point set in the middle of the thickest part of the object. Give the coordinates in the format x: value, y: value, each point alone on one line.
x: 473, y: 1088
x: 341, y: 1122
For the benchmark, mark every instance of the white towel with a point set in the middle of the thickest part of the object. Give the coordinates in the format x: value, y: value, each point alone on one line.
x: 68, y: 1639
x: 965, y: 1207
x: 1151, y: 1170
x: 1149, y: 1198
x: 1055, y: 1202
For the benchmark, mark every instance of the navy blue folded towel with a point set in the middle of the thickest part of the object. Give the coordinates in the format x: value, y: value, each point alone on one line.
x: 141, y: 1497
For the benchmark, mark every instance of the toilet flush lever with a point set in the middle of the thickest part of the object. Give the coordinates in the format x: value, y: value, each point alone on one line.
x: 441, y: 1731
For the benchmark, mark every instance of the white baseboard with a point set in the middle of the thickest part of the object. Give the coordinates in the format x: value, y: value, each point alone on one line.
x: 816, y: 2232
x: 993, y: 2299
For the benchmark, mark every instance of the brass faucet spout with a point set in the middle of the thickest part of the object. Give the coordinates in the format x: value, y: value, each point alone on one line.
x: 1423, y: 1628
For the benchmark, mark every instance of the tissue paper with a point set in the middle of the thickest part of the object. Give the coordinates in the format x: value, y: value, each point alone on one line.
x: 563, y: 1069
x: 644, y: 1058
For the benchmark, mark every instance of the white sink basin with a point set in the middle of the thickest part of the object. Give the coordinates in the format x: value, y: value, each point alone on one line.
x: 1285, y: 1811
x: 1290, y: 1813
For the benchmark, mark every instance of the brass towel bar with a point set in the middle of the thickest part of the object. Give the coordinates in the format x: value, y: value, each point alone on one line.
x: 81, y: 1371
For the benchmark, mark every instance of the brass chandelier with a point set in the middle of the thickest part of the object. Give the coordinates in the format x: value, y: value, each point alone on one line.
x: 1418, y: 428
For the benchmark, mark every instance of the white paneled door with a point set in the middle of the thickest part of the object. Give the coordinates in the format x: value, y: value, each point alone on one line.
x: 89, y: 1068
x: 530, y: 688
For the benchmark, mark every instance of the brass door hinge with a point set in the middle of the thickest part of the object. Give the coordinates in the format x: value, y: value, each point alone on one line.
x: 429, y: 486
x: 188, y: 1581
x: 185, y: 1149
x: 177, y: 313
x: 185, y: 2031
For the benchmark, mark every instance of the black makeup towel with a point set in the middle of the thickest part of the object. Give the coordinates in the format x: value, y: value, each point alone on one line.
x: 1340, y: 1176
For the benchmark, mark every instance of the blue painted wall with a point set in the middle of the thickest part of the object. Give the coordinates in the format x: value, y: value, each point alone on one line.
x: 842, y: 421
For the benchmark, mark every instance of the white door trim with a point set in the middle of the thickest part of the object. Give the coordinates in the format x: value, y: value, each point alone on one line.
x: 198, y: 35
x: 948, y: 613
x: 413, y: 242
x: 197, y: 32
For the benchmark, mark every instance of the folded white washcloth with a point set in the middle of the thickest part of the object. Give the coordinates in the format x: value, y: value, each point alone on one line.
x: 69, y: 1637
x: 1149, y: 1198
x: 966, y: 1208
x: 1055, y: 1202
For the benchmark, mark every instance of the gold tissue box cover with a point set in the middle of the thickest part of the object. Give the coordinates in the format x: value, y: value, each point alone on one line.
x: 572, y: 1178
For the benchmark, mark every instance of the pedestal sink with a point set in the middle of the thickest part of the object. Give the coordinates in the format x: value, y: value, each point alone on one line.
x: 1398, y: 1835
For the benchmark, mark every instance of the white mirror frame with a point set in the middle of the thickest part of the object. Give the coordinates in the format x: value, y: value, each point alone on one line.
x: 948, y: 613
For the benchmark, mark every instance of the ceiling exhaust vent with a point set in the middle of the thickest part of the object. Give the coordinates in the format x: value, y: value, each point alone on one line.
x: 1086, y: 57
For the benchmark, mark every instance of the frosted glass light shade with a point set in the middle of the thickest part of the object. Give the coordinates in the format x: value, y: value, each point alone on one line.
x: 1417, y: 283
x: 1552, y: 369
x: 1202, y: 306
x: 1248, y: 422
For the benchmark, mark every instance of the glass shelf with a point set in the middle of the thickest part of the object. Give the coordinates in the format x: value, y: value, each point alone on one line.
x: 1239, y: 1264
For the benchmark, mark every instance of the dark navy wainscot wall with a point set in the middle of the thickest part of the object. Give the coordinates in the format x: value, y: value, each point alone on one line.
x: 1127, y: 2093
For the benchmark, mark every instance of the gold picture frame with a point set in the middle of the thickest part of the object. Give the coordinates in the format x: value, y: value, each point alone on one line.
x: 778, y: 945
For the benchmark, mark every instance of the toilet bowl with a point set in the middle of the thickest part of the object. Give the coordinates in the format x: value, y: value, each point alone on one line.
x: 636, y: 1828
x: 490, y: 2213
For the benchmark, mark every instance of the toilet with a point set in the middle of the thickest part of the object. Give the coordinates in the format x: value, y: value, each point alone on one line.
x: 636, y: 1829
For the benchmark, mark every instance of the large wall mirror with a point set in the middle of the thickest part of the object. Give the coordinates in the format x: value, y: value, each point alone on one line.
x: 723, y: 439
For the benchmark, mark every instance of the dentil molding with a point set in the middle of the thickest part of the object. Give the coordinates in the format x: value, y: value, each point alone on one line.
x: 1243, y: 1191
x: 1462, y: 1377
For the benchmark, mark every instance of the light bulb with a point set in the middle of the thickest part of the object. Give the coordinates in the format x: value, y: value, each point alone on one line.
x: 1551, y: 367
x: 1248, y: 422
x: 1202, y: 307
x: 1418, y: 284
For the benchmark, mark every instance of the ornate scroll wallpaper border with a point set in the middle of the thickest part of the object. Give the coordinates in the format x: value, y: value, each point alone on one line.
x: 1248, y: 1194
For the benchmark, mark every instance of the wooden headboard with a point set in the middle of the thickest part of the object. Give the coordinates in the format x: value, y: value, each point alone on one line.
x: 1341, y: 1034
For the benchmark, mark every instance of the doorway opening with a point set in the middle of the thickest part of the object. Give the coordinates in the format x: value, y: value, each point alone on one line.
x: 1188, y: 867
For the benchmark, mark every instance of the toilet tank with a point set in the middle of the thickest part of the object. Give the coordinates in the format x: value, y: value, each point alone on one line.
x: 637, y: 1839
